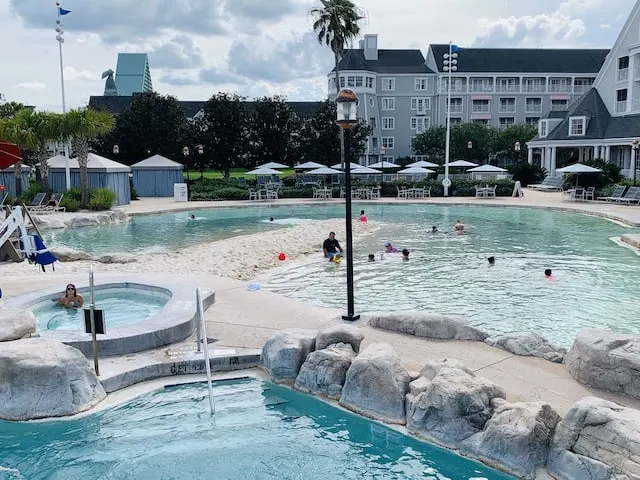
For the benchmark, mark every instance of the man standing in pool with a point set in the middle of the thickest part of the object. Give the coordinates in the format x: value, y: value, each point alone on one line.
x: 331, y: 247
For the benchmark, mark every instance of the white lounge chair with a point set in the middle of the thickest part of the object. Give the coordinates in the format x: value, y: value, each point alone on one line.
x: 617, y: 194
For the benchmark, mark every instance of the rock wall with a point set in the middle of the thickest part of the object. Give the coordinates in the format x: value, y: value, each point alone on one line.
x: 15, y: 323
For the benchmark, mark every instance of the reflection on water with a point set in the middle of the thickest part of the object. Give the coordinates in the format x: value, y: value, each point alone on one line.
x: 596, y: 279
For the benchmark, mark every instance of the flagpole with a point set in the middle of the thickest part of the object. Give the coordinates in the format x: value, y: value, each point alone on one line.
x: 60, y: 39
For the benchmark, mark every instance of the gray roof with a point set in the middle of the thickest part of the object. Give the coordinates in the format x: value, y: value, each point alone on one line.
x: 524, y: 60
x: 157, y: 162
x: 389, y: 61
x: 601, y: 124
x: 555, y: 114
x: 116, y: 104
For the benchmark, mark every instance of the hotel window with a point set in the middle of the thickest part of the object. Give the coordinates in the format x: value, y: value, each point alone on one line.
x: 388, y: 158
x: 505, y: 122
x: 532, y: 121
x: 558, y: 105
x: 421, y: 84
x: 577, y: 125
x: 455, y: 120
x: 621, y: 100
x: 372, y: 103
x: 623, y: 69
x: 456, y: 104
x: 372, y: 122
x: 542, y: 129
x: 419, y: 158
x: 420, y: 105
x: 342, y: 82
x: 358, y: 82
x: 480, y: 121
x: 420, y: 124
x: 388, y: 103
x: 533, y: 105
x: 388, y: 123
x: 480, y: 106
x: 369, y: 82
x: 388, y: 143
x: 508, y: 105
x: 562, y: 85
x: 388, y: 84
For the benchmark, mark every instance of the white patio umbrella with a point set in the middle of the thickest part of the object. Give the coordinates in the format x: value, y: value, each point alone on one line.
x: 308, y: 166
x: 578, y: 168
x: 462, y: 164
x: 423, y: 164
x: 264, y: 171
x: 487, y: 169
x: 274, y: 165
x: 325, y: 171
x: 385, y: 165
x: 416, y: 170
x: 364, y: 171
x: 351, y: 165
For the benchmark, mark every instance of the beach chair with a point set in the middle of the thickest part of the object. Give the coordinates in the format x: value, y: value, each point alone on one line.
x: 481, y: 192
x: 254, y: 194
x: 37, y: 201
x: 50, y: 208
x: 577, y: 194
x: 590, y: 193
x: 632, y: 196
x: 3, y: 197
x: 618, y: 193
x: 544, y: 183
x: 490, y: 192
x: 402, y: 192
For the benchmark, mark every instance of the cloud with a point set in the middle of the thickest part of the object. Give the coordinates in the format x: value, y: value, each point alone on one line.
x: 299, y: 57
x: 178, y: 80
x: 31, y: 86
x: 180, y: 52
x: 71, y: 74
x: 218, y: 75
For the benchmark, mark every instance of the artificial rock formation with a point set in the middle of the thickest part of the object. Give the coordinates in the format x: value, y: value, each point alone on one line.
x: 376, y: 384
x: 451, y: 406
x: 324, y: 371
x: 340, y: 334
x: 516, y: 438
x: 285, y: 352
x: 596, y: 440
x: 15, y: 323
x: 528, y: 345
x: 43, y: 378
x: 606, y: 360
x: 427, y: 325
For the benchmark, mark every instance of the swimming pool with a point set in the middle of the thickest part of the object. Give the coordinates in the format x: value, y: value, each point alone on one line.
x: 122, y: 306
x: 260, y: 431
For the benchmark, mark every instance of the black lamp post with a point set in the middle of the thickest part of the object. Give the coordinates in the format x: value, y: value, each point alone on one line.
x: 346, y: 107
x: 635, y: 145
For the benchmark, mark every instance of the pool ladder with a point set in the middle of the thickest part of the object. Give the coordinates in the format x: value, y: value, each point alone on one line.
x: 201, y: 334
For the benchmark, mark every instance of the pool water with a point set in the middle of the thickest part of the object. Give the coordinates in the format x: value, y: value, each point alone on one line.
x: 122, y: 306
x: 260, y: 431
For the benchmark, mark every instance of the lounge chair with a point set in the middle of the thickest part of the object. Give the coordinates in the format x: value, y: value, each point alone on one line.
x: 632, y: 196
x: 549, y: 184
x: 37, y: 201
x: 4, y: 197
x: 589, y: 193
x: 618, y: 193
x: 50, y: 208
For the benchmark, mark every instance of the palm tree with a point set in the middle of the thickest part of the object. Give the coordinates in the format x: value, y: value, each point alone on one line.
x: 336, y: 23
x: 80, y: 125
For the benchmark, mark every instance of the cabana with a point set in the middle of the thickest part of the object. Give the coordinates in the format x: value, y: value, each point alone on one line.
x: 8, y: 179
x: 155, y: 176
x: 102, y: 173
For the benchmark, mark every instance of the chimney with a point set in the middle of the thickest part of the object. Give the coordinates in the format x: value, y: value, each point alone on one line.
x: 371, y: 47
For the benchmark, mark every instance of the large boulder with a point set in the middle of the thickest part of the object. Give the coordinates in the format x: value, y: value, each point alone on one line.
x: 15, y: 323
x: 43, y: 378
x: 451, y: 407
x: 340, y: 334
x: 596, y: 440
x: 66, y: 254
x: 324, y: 371
x: 376, y: 384
x: 285, y: 352
x: 516, y: 438
x: 528, y: 344
x: 606, y: 360
x: 427, y: 325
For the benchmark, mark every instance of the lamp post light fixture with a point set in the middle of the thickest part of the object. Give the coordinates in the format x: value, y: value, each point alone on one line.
x: 185, y: 152
x: 469, y: 149
x: 200, y: 150
x: 450, y: 65
x: 116, y: 150
x: 346, y: 107
x: 635, y: 145
x: 517, y: 147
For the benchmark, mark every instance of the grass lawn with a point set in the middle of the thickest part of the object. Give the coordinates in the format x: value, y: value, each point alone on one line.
x: 235, y: 173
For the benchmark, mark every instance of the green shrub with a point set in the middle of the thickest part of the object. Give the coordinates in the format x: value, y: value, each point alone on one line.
x: 101, y: 199
x: 226, y: 193
x: 28, y: 194
x: 527, y: 174
x: 134, y: 194
x: 75, y: 194
x: 70, y: 204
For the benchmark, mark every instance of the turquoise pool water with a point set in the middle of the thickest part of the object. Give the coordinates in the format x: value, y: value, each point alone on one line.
x: 122, y: 306
x: 260, y: 431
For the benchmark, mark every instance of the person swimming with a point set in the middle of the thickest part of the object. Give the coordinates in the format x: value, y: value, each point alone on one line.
x: 363, y: 217
x: 372, y: 257
x: 492, y: 261
x: 434, y: 229
x: 71, y: 298
x: 548, y: 275
x: 388, y: 248
x: 405, y: 254
x: 459, y: 227
x: 271, y: 219
x: 192, y: 217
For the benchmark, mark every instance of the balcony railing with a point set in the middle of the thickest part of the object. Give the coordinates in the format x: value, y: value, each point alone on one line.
x: 559, y: 88
x: 455, y: 108
x: 507, y: 109
x: 507, y: 88
x: 534, y: 88
x: 480, y: 108
x: 454, y: 88
x: 622, y: 75
x: 480, y: 88
x: 580, y: 89
x: 558, y: 107
x: 533, y: 108
x: 621, y: 107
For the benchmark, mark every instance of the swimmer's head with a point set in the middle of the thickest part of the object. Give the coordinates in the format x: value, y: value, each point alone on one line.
x: 361, y: 212
x: 547, y: 272
x: 271, y: 219
x: 405, y: 254
x: 491, y: 260
x: 372, y: 257
x: 192, y: 217
x: 434, y: 229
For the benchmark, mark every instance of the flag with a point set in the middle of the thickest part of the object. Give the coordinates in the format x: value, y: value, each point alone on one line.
x: 455, y: 49
x: 62, y: 11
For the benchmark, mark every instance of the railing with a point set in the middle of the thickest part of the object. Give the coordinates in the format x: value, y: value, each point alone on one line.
x: 533, y: 109
x: 507, y: 88
x: 454, y: 88
x: 480, y: 88
x: 558, y: 108
x: 455, y: 108
x: 507, y: 109
x: 580, y: 89
x: 621, y: 107
x: 534, y: 88
x: 480, y: 108
x: 622, y: 75
x: 559, y: 88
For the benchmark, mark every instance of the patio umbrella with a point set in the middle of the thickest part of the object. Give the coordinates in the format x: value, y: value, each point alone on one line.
x: 462, y: 164
x: 264, y: 171
x: 487, y: 169
x: 308, y: 166
x: 274, y: 165
x: 364, y: 170
x: 325, y: 171
x: 352, y: 165
x: 9, y: 154
x: 385, y: 165
x: 424, y: 164
x: 578, y: 168
x: 416, y: 170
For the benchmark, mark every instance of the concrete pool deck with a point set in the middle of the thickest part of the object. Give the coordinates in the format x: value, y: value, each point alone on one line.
x: 242, y: 320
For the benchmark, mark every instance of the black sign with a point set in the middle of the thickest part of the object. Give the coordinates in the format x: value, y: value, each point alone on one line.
x: 98, y: 319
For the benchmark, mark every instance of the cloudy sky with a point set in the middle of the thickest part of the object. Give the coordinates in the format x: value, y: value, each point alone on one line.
x: 260, y: 47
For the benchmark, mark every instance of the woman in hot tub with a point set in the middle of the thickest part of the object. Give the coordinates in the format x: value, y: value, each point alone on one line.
x: 71, y: 298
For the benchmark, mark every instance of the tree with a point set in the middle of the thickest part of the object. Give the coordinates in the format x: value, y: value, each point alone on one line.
x: 81, y: 125
x: 272, y: 129
x: 504, y: 141
x: 151, y: 124
x: 431, y: 143
x: 10, y: 109
x: 336, y: 24
x: 223, y: 131
x: 319, y: 140
x: 480, y: 136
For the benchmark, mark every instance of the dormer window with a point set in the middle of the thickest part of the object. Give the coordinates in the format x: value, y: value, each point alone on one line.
x: 543, y: 128
x: 577, y: 126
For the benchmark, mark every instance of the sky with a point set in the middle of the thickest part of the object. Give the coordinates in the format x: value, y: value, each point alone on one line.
x: 260, y: 47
